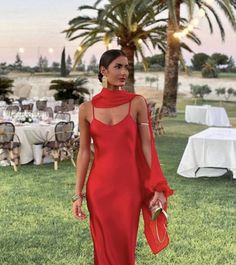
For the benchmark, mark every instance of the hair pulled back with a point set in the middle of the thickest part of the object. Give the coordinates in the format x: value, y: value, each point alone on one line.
x: 107, y: 57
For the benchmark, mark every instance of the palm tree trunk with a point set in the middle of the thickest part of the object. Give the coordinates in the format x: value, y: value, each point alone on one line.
x: 171, y: 65
x: 129, y: 51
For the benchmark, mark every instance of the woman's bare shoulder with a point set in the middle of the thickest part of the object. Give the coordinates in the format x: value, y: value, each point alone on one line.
x: 139, y: 101
x: 85, y: 108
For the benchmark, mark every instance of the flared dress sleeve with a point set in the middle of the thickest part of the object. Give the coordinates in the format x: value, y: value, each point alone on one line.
x: 152, y: 179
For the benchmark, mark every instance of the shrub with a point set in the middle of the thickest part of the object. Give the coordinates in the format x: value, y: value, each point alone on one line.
x: 226, y: 93
x: 199, y: 91
x: 6, y: 85
x: 70, y: 89
x: 209, y: 69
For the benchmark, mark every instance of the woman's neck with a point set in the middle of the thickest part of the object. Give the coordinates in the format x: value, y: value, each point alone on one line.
x: 112, y: 87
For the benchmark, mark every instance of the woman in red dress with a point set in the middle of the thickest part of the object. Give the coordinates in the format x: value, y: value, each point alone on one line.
x: 125, y: 176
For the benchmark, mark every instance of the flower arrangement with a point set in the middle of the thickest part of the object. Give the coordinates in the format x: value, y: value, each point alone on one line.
x: 27, y: 119
x: 24, y: 118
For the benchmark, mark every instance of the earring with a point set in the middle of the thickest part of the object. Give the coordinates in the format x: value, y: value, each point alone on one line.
x: 104, y: 81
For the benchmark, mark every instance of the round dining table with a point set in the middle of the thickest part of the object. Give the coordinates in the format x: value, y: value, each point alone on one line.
x: 31, y: 134
x: 35, y: 134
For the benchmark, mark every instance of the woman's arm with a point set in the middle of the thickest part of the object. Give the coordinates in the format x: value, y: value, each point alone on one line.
x: 143, y: 127
x: 144, y: 131
x: 83, y: 159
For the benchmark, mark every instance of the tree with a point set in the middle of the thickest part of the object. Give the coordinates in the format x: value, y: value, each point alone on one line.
x: 171, y: 60
x: 220, y: 59
x: 220, y: 91
x: 231, y: 64
x: 6, y: 85
x: 173, y: 45
x: 158, y: 59
x: 151, y: 79
x: 93, y: 66
x: 64, y: 71
x: 45, y: 63
x: 55, y: 67
x: 198, y: 60
x: 40, y: 63
x: 132, y: 23
x: 68, y: 63
x: 209, y: 69
x: 199, y: 91
x: 81, y: 67
x: 71, y: 89
x: 18, y: 62
x: 3, y: 68
x: 226, y: 93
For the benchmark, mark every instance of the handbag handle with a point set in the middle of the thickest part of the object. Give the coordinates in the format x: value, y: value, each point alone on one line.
x: 156, y: 228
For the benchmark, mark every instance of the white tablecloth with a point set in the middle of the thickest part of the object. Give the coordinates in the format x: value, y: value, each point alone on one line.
x: 35, y: 133
x: 213, y: 148
x: 207, y: 115
x: 32, y: 134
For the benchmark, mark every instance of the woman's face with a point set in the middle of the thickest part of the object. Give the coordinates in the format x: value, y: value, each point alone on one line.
x: 117, y: 72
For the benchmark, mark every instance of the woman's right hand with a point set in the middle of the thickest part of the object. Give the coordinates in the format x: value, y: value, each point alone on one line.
x: 77, y: 212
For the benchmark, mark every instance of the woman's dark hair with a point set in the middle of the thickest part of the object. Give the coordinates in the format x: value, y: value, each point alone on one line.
x: 107, y: 58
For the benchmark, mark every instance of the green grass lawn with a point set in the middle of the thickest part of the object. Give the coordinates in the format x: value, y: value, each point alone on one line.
x: 37, y: 226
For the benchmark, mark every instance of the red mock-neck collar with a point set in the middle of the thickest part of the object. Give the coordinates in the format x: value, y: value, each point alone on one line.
x: 108, y: 98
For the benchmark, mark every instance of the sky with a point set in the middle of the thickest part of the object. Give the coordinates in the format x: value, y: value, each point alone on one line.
x: 35, y: 26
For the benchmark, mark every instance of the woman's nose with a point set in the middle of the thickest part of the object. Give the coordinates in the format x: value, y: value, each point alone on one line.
x: 124, y: 70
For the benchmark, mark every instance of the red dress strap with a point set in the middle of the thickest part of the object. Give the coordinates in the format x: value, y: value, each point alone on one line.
x: 93, y: 111
x: 129, y: 106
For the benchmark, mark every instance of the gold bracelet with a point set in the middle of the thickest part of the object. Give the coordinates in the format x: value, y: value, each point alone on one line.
x: 78, y: 196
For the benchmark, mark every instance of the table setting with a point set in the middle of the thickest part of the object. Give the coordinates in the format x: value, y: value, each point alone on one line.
x: 207, y: 115
x: 33, y: 128
x: 211, y: 152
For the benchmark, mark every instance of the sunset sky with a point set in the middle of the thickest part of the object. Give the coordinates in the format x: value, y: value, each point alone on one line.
x: 36, y: 27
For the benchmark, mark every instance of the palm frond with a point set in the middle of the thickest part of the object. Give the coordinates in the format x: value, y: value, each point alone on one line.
x: 227, y: 9
x: 88, y: 7
x: 190, y: 6
x: 217, y: 18
x: 186, y: 47
x: 192, y: 36
x: 84, y: 46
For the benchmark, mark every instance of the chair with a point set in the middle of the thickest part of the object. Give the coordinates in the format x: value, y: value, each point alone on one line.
x: 13, y: 109
x: 151, y: 107
x: 60, y: 147
x: 49, y: 111
x: 57, y: 109
x: 64, y: 106
x: 75, y: 143
x: 27, y: 107
x: 156, y: 119
x: 65, y: 116
x: 41, y: 105
x: 71, y: 104
x: 7, y: 143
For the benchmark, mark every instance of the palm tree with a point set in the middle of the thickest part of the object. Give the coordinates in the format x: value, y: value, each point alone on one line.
x: 6, y: 85
x: 209, y: 69
x: 173, y: 44
x: 70, y: 89
x: 132, y: 23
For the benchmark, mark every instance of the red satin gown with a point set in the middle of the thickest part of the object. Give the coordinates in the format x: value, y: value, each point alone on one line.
x: 113, y: 188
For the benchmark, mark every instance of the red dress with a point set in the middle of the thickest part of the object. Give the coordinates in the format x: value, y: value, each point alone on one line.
x: 121, y: 183
x: 113, y: 192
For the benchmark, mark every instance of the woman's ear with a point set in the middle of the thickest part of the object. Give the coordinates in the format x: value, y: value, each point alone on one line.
x: 103, y: 70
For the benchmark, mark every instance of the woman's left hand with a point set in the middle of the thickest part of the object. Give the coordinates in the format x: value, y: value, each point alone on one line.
x: 157, y: 197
